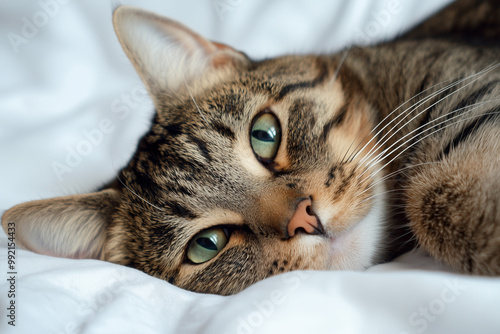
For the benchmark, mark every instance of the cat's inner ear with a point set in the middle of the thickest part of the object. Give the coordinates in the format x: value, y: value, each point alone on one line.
x: 167, y: 55
x: 72, y: 226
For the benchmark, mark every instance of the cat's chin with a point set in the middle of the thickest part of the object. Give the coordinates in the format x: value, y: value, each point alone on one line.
x: 358, y: 247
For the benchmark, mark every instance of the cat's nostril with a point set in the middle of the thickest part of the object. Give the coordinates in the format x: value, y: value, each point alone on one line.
x: 304, y: 219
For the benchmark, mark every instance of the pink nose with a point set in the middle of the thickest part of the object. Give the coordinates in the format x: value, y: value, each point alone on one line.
x: 304, y: 218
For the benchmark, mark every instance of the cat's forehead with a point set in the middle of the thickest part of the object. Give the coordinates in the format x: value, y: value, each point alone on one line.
x: 237, y: 97
x: 199, y: 145
x: 220, y: 115
x: 264, y: 75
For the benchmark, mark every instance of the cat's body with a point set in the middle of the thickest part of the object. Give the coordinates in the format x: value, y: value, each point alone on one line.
x: 300, y: 162
x: 447, y: 188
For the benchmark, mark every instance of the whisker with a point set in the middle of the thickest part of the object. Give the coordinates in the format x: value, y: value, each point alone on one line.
x: 154, y: 206
x: 473, y: 107
x: 448, y: 125
x: 380, y: 194
x: 415, y: 106
x: 417, y: 115
x: 412, y: 239
x: 388, y: 176
x: 347, y: 151
x: 334, y: 77
x: 401, y: 105
x: 341, y: 62
x: 134, y: 193
x: 194, y: 101
x: 407, y: 111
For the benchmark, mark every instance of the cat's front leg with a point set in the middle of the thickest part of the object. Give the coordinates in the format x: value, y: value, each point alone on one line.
x: 453, y: 202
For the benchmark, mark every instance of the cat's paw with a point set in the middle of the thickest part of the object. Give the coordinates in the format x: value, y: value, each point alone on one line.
x: 455, y: 215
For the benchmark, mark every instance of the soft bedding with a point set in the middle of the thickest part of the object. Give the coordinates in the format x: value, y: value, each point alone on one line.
x: 71, y: 112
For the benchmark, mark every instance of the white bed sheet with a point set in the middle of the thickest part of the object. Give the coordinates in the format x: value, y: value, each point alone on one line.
x: 62, y: 73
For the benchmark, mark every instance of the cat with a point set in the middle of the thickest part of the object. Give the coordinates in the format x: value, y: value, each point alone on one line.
x: 311, y: 162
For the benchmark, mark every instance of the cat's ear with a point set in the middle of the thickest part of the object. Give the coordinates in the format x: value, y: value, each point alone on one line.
x: 167, y: 55
x: 72, y: 226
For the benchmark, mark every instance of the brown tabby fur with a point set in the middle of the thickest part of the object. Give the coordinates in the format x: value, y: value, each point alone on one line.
x: 195, y: 168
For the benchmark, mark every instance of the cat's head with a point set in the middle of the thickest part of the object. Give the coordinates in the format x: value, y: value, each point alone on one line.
x: 250, y: 169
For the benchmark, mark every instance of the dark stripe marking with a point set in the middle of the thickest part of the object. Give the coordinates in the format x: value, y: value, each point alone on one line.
x: 323, y: 74
x: 174, y: 129
x: 426, y: 117
x: 476, y: 96
x: 331, y: 175
x: 201, y: 146
x: 224, y: 130
x: 470, y: 130
x: 176, y: 188
x: 177, y: 209
x: 428, y: 114
x: 147, y: 187
x: 335, y: 121
x: 342, y: 188
x: 425, y: 83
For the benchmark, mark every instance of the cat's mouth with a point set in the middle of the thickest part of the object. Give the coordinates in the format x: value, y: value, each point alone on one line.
x: 346, y: 250
x: 356, y: 246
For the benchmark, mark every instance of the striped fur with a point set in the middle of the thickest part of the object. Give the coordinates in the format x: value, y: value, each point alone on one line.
x: 398, y: 146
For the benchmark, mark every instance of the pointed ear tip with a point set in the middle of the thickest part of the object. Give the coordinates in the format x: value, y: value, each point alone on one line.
x: 6, y: 218
x: 4, y: 221
x: 126, y: 12
x: 121, y: 9
x: 119, y: 12
x: 15, y: 215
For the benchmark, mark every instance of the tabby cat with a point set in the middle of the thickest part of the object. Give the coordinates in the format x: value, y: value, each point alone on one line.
x: 327, y: 162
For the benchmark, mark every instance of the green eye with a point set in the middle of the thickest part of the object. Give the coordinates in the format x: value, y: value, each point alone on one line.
x: 206, y: 245
x: 265, y: 136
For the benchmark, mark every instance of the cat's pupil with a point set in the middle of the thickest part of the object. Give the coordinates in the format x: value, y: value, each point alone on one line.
x: 267, y: 136
x: 206, y: 243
